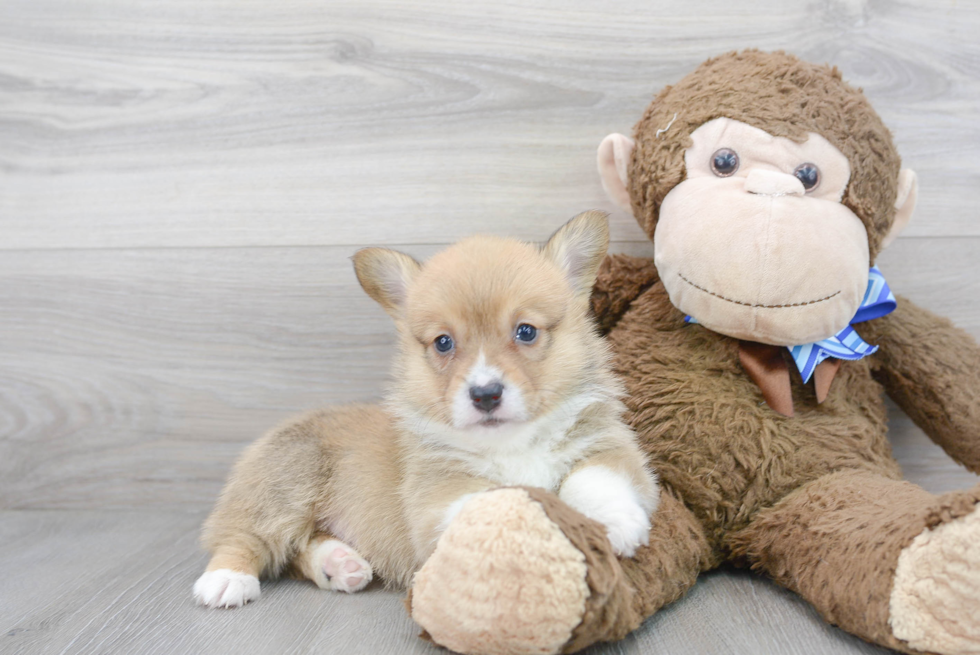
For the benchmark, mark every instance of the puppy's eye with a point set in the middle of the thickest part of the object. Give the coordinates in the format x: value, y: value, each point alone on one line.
x: 724, y: 162
x: 809, y: 175
x: 526, y: 333
x: 444, y: 343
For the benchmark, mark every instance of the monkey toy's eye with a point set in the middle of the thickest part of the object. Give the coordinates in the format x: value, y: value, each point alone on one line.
x: 809, y: 175
x: 526, y: 333
x: 724, y: 162
x: 444, y: 343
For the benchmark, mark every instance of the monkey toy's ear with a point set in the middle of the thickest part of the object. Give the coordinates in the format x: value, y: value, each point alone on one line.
x: 908, y: 191
x: 613, y: 160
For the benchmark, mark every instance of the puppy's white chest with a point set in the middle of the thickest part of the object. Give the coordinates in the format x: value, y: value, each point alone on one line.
x: 536, y: 454
x: 540, y: 466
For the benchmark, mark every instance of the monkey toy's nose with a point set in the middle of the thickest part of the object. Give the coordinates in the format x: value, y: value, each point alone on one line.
x: 487, y: 397
x: 773, y: 183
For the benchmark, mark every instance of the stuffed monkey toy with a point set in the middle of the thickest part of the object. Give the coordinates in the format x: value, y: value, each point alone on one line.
x: 756, y: 348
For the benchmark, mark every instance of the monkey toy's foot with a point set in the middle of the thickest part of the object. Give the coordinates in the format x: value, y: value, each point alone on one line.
x: 518, y: 571
x: 935, y: 602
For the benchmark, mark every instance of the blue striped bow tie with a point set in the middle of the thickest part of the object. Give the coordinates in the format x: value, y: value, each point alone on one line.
x: 846, y: 344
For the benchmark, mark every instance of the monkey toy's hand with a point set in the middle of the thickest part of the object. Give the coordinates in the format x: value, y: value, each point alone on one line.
x: 518, y: 571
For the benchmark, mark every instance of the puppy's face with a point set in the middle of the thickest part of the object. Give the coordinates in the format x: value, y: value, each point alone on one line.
x: 486, y: 335
x: 494, y: 332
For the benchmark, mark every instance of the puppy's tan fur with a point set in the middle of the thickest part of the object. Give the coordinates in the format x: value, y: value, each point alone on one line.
x: 374, y: 486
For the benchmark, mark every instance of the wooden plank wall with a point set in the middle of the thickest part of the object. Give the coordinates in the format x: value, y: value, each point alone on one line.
x: 182, y: 185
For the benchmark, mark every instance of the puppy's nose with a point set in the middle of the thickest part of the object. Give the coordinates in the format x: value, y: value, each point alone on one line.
x: 487, y: 397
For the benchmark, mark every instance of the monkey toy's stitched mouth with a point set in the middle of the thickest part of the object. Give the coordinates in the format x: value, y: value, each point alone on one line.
x: 746, y: 304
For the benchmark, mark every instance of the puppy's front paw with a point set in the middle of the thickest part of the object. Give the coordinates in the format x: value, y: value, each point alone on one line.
x: 225, y: 588
x: 627, y: 524
x: 608, y: 497
x: 339, y: 567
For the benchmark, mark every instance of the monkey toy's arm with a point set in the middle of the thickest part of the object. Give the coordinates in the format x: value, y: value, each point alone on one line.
x: 621, y: 279
x: 932, y: 370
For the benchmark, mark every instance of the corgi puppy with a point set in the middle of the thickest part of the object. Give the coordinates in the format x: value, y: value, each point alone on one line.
x: 499, y: 379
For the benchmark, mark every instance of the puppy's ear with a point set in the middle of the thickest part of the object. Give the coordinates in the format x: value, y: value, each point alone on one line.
x: 578, y: 248
x: 386, y: 275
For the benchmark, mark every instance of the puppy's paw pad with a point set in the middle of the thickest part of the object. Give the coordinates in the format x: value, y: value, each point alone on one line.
x: 340, y: 567
x: 226, y: 588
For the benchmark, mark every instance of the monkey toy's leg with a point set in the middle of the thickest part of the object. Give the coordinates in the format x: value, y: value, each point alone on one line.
x: 883, y: 559
x: 518, y: 571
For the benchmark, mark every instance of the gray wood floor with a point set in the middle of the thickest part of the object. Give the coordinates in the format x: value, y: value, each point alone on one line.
x: 182, y: 185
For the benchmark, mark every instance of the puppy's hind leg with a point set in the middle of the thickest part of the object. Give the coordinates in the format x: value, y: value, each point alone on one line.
x: 242, y: 550
x: 230, y: 580
x: 333, y: 565
x: 264, y: 515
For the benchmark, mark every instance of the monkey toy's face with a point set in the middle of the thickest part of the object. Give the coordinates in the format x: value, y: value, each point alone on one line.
x: 755, y: 242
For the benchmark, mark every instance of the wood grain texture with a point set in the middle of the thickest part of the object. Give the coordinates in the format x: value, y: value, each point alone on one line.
x: 182, y: 185
x: 214, y: 123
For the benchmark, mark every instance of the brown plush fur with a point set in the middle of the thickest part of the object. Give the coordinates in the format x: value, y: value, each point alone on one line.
x: 632, y: 275
x: 784, y: 96
x: 685, y: 385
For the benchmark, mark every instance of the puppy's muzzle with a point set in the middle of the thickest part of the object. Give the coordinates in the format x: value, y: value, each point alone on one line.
x: 487, y: 397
